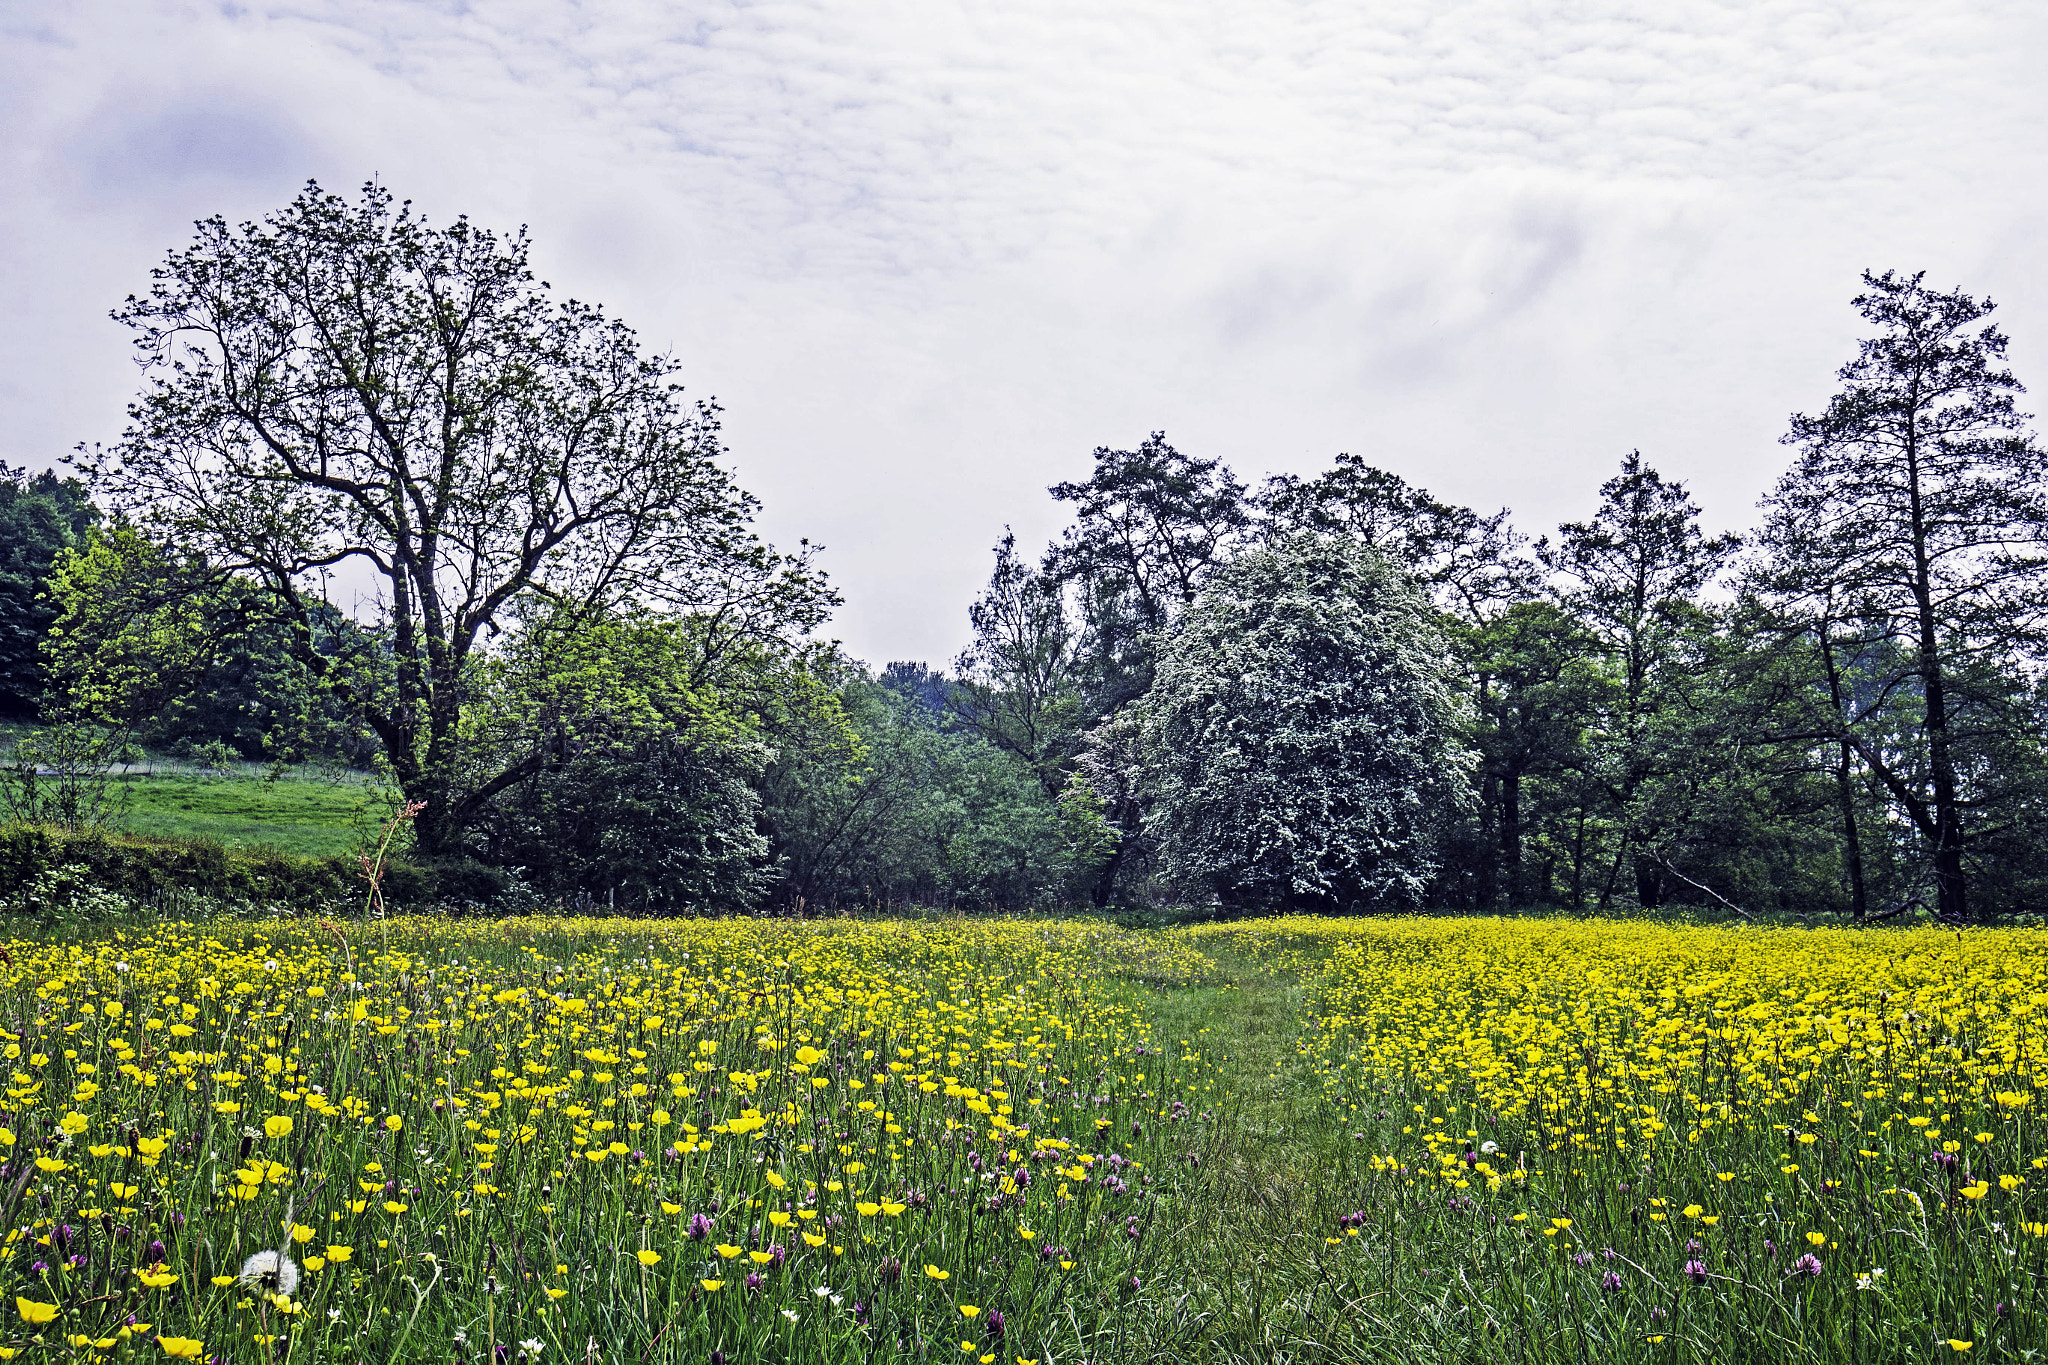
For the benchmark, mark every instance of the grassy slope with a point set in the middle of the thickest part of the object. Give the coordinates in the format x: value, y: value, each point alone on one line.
x: 297, y: 816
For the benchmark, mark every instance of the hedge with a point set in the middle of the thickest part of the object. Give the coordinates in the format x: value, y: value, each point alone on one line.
x: 150, y: 868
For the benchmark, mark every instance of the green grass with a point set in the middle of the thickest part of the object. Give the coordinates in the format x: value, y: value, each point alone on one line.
x: 308, y: 818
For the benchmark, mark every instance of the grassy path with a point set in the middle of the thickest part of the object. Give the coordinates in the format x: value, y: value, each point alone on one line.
x: 1278, y: 1169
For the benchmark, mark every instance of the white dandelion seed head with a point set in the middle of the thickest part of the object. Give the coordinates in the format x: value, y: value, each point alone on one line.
x: 1489, y: 1148
x: 270, y: 1270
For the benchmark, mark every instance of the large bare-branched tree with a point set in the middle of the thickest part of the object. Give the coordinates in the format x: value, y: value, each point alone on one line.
x: 344, y: 384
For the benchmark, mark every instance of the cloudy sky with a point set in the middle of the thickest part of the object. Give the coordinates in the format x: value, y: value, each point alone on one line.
x: 930, y: 255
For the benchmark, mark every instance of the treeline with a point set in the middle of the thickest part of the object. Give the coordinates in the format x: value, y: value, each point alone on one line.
x: 590, y: 680
x: 1841, y: 713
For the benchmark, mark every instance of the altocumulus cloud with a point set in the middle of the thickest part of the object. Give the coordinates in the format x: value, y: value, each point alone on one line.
x: 930, y: 254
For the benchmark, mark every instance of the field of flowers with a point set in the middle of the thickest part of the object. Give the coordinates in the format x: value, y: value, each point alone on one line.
x: 1615, y: 1141
x: 1026, y: 1142
x: 555, y: 1140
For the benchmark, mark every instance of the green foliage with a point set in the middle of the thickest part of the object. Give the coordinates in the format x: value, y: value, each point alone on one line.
x: 41, y: 516
x: 167, y: 870
x: 631, y: 752
x: 60, y: 775
x: 163, y: 647
x: 924, y: 811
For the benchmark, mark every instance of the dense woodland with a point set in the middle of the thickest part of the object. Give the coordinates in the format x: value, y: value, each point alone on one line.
x: 1326, y: 692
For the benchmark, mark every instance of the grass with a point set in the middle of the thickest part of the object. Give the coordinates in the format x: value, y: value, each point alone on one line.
x: 296, y: 815
x: 311, y: 811
x: 1244, y: 1142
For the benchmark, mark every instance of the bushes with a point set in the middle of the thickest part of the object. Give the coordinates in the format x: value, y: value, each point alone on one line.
x: 147, y: 869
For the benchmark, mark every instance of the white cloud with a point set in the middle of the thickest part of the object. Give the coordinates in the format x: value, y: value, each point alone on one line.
x: 930, y: 254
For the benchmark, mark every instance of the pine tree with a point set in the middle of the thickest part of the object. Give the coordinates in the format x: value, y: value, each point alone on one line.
x: 1916, y: 510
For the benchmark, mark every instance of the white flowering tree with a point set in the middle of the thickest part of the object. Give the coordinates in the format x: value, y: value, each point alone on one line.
x: 1302, y: 738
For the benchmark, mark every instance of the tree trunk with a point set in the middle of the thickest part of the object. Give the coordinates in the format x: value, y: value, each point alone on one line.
x: 1950, y: 897
x: 1845, y: 787
x: 1511, y: 837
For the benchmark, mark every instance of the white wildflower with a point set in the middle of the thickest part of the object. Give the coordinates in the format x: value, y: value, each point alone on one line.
x: 271, y: 1271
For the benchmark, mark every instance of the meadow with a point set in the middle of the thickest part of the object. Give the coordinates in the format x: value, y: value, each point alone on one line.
x: 300, y: 815
x: 1021, y: 1140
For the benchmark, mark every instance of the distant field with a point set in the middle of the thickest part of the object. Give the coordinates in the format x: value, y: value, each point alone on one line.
x: 305, y: 817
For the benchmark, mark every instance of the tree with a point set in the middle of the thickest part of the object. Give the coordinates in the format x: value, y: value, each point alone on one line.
x: 1633, y: 577
x: 1915, y: 508
x: 159, y: 646
x: 1302, y: 736
x: 920, y: 811
x: 640, y: 768
x: 1150, y: 526
x: 1472, y: 565
x: 1544, y: 687
x: 1018, y: 686
x: 345, y: 386
x: 41, y: 516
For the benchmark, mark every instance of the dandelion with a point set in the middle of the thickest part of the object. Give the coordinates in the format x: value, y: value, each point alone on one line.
x: 270, y: 1272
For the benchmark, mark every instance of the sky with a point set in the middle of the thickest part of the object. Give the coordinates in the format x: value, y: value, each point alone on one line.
x: 928, y: 256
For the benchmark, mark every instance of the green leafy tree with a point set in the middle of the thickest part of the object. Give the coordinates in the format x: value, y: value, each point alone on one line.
x: 41, y: 516
x: 1019, y: 683
x: 1150, y: 525
x: 1531, y: 725
x: 923, y: 811
x: 1916, y: 510
x: 163, y: 648
x: 1633, y: 577
x: 1303, y: 736
x: 346, y: 387
x: 618, y: 764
